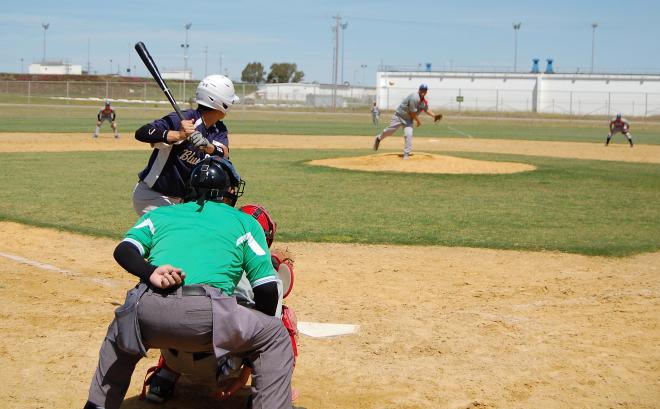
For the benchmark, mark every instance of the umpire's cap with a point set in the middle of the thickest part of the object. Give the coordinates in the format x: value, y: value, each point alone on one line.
x: 216, y: 179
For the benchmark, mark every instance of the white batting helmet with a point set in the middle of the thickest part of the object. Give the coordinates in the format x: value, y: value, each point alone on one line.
x: 216, y: 92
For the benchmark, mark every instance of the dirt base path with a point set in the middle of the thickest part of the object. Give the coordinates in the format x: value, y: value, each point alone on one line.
x: 56, y: 142
x: 439, y: 327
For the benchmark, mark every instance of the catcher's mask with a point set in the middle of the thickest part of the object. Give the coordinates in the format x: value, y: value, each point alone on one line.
x: 216, y: 179
x: 267, y: 223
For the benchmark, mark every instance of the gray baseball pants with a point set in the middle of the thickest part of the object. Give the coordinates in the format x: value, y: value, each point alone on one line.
x: 146, y: 199
x: 396, y: 123
x: 199, y: 324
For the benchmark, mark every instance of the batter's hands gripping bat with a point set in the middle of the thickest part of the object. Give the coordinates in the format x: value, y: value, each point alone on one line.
x: 196, y: 138
x: 151, y: 66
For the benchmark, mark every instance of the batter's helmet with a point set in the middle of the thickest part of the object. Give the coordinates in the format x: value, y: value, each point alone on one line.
x: 216, y: 92
x: 216, y: 179
x: 267, y: 223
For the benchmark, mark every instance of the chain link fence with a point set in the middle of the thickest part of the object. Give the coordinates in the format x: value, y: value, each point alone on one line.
x: 148, y: 93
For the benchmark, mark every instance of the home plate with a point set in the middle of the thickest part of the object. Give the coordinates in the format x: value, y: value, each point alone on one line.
x: 325, y: 330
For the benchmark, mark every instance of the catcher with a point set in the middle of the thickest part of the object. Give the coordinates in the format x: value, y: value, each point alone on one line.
x: 405, y: 114
x: 619, y: 124
x: 161, y: 379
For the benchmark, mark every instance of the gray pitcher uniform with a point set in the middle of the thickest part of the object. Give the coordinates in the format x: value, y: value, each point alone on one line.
x: 401, y: 118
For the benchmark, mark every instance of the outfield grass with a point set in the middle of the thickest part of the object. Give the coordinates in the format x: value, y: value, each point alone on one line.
x: 589, y: 207
x: 82, y: 119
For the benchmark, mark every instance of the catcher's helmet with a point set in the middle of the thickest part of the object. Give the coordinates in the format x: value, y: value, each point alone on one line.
x: 267, y: 223
x: 216, y: 179
x: 216, y: 92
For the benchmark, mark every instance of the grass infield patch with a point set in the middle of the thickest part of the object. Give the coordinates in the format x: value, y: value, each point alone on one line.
x: 579, y: 206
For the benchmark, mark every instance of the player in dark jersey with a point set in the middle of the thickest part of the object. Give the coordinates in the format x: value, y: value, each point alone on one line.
x: 180, y: 145
x: 106, y: 114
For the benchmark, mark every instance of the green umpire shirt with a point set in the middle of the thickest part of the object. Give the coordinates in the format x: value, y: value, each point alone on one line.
x: 212, y: 244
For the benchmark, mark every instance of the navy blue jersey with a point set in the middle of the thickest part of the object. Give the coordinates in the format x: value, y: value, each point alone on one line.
x: 170, y: 165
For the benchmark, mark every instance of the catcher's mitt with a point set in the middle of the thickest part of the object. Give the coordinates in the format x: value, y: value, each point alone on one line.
x: 283, y: 264
x: 437, y: 117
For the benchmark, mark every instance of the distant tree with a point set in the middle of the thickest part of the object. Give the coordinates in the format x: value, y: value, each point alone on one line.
x: 284, y: 72
x: 253, y: 73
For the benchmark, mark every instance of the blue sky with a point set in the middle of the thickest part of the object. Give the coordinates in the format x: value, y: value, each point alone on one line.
x: 472, y: 33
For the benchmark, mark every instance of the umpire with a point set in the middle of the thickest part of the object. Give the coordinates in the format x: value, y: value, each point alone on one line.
x: 188, y: 257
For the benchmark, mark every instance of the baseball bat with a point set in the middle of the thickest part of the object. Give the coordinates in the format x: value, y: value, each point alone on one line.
x: 153, y: 69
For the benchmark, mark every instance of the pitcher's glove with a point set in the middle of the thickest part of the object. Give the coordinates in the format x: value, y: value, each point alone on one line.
x: 198, y: 140
x: 437, y: 117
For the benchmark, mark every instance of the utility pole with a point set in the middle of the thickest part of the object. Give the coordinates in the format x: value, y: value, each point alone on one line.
x: 336, y: 65
x: 220, y: 66
x: 89, y: 65
x: 206, y: 60
x: 185, y: 60
x: 45, y: 27
x: 593, y: 44
x: 343, y: 27
x: 516, y: 27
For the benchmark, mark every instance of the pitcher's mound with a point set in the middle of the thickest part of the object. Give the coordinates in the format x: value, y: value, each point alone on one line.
x: 423, y: 163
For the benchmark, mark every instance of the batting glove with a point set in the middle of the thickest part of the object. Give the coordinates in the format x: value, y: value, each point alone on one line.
x: 198, y: 140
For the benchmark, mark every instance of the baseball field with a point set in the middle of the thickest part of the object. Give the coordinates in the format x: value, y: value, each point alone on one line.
x: 511, y: 263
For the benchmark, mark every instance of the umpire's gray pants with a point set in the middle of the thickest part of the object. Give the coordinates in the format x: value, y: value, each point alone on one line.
x: 396, y: 123
x: 187, y: 323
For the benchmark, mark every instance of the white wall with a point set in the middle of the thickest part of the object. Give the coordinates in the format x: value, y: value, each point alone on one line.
x: 303, y: 92
x: 579, y: 94
x: 55, y: 69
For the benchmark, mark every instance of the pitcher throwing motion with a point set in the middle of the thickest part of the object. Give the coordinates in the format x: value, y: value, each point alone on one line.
x: 405, y: 114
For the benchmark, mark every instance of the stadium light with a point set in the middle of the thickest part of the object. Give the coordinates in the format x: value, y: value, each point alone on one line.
x: 185, y: 60
x: 593, y: 43
x: 45, y: 27
x: 516, y: 27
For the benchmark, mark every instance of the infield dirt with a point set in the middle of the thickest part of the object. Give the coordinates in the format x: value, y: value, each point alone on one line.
x: 439, y: 327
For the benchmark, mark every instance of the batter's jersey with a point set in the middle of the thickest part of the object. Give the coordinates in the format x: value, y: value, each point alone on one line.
x: 412, y: 103
x: 213, y: 244
x: 169, y: 166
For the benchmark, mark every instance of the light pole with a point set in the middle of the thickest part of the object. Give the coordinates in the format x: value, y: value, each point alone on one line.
x: 516, y: 27
x: 185, y: 60
x: 206, y: 59
x: 111, y: 66
x: 593, y: 43
x: 343, y: 27
x: 45, y: 27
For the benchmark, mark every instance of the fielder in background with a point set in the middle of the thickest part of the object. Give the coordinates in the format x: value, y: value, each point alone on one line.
x: 375, y: 114
x: 181, y: 301
x: 407, y: 112
x: 619, y: 124
x: 180, y: 145
x: 107, y: 113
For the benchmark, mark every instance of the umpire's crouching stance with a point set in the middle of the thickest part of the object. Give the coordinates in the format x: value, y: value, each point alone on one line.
x: 207, y: 243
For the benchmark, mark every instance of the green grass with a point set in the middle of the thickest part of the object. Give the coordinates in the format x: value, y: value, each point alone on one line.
x: 588, y: 207
x: 242, y: 120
